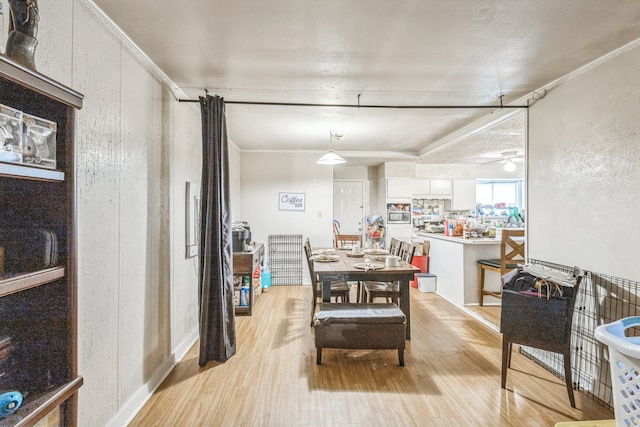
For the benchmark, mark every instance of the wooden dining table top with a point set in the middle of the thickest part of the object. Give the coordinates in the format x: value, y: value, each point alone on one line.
x: 347, y: 263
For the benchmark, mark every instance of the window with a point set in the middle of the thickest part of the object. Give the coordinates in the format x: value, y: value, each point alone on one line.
x: 498, y: 195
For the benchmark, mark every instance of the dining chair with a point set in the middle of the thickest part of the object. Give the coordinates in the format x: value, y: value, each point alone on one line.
x: 339, y: 290
x: 345, y: 240
x: 511, y: 253
x: 389, y: 290
x: 394, y: 249
x: 348, y: 240
x: 547, y: 326
x: 394, y: 246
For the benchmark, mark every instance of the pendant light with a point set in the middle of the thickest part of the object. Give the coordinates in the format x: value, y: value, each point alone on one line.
x: 331, y: 158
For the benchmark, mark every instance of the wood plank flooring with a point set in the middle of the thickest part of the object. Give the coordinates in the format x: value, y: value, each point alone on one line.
x: 451, y: 377
x: 490, y: 313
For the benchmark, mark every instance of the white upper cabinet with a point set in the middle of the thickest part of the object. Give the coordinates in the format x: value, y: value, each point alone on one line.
x: 421, y: 186
x: 464, y: 194
x: 399, y: 188
x: 440, y: 186
x: 431, y: 188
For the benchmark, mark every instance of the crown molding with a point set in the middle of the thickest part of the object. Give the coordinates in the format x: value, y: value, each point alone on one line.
x: 134, y: 48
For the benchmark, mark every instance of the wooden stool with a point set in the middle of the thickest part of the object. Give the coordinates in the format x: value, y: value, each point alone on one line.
x: 511, y: 250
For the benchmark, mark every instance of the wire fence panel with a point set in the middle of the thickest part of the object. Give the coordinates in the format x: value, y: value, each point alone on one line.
x: 601, y: 299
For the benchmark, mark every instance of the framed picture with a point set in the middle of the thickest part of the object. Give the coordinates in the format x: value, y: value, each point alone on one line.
x: 192, y: 219
x: 291, y: 201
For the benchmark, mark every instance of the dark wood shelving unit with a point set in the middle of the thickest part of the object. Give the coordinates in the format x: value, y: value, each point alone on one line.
x: 38, y: 406
x: 30, y: 280
x: 244, y: 264
x: 38, y: 309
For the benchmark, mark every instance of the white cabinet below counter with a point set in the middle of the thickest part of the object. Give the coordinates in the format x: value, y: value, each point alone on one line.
x: 454, y: 262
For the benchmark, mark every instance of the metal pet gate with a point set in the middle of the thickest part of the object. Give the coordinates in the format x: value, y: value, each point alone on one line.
x: 285, y: 259
x: 601, y: 299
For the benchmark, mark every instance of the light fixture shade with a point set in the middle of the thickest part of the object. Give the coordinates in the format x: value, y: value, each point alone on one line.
x: 509, y: 166
x: 330, y: 158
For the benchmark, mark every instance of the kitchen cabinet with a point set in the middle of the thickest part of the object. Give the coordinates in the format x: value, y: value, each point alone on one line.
x: 244, y: 265
x: 440, y: 186
x: 421, y: 187
x: 464, y: 194
x: 399, y: 188
x: 38, y: 300
x: 431, y: 188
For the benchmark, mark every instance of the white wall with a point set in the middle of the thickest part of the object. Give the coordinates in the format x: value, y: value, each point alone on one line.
x: 264, y: 175
x: 182, y: 135
x: 234, y: 178
x: 136, y: 147
x: 584, y: 169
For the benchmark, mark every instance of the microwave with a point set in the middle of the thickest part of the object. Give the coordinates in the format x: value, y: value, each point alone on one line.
x: 398, y: 213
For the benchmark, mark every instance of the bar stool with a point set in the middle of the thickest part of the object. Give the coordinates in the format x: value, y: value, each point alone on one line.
x: 511, y: 252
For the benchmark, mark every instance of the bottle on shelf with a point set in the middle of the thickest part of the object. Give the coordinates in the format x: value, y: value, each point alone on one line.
x: 266, y: 276
x: 257, y: 282
x: 244, y: 296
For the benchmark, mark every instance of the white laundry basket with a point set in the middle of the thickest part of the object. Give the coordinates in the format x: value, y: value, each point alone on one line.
x: 624, y: 358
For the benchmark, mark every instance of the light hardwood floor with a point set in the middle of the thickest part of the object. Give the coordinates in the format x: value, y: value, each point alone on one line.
x: 451, y: 377
x: 491, y: 313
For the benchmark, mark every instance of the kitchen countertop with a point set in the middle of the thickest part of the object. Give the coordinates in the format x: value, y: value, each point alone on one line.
x: 460, y: 239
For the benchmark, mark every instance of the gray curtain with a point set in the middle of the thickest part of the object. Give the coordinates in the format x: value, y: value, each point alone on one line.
x: 217, y: 315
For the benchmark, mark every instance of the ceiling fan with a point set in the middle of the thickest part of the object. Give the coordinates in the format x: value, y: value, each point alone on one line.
x: 508, y: 158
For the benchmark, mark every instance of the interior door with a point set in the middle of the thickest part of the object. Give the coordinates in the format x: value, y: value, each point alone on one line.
x: 348, y: 206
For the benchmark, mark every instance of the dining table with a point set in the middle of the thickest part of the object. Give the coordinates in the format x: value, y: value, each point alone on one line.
x: 369, y: 266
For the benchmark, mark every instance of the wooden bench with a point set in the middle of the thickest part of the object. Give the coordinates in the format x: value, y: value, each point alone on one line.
x: 360, y: 326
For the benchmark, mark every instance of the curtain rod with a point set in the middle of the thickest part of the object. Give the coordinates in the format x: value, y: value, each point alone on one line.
x: 295, y: 104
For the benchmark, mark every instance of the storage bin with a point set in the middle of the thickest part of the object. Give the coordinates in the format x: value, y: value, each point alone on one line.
x: 539, y: 321
x: 624, y: 362
x: 426, y: 282
x: 422, y: 262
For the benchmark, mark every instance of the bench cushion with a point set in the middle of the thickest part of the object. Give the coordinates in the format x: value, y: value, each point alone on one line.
x: 359, y: 313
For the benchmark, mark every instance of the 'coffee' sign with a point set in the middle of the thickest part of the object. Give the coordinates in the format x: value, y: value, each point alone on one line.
x: 291, y: 201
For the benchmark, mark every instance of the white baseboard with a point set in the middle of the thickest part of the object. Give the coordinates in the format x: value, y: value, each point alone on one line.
x: 481, y: 319
x: 131, y: 408
x: 181, y: 350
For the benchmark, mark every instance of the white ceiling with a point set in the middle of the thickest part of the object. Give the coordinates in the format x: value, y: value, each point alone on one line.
x: 374, y: 52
